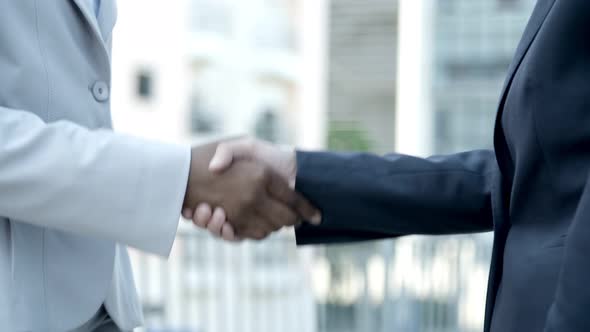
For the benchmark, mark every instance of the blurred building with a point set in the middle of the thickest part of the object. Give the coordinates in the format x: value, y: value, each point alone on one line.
x: 361, y: 101
x: 362, y: 74
x: 195, y: 70
x: 454, y: 55
x: 416, y: 76
x: 474, y: 42
x: 439, y: 96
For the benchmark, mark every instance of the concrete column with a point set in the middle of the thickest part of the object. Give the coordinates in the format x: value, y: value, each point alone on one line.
x: 414, y: 116
x: 311, y: 126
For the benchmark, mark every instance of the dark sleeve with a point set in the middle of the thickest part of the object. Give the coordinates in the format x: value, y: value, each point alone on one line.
x: 367, y: 197
x: 570, y: 309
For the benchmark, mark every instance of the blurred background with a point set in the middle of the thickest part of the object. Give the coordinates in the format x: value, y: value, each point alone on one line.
x: 414, y: 76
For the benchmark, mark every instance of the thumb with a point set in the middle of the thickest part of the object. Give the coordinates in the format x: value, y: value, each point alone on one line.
x: 229, y: 151
x: 222, y: 159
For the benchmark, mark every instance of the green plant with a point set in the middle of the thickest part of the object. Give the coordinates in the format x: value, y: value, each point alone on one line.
x: 348, y: 136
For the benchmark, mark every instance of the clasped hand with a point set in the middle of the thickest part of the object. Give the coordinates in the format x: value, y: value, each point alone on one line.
x: 243, y: 189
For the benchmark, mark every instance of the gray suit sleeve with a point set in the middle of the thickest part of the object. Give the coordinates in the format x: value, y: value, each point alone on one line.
x: 366, y: 197
x: 95, y: 183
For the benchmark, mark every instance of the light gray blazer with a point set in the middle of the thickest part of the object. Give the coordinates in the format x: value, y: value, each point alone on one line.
x: 73, y: 194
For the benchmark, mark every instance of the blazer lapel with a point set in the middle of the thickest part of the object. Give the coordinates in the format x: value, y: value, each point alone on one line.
x: 540, y: 13
x: 92, y: 22
x: 542, y: 9
x: 107, y: 17
x: 89, y: 15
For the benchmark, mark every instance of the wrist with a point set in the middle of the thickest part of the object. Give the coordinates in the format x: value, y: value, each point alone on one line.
x: 293, y: 175
x: 289, y: 164
x: 199, y: 182
x: 191, y: 171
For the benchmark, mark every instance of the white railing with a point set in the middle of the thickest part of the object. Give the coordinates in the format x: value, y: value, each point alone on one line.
x: 429, y: 284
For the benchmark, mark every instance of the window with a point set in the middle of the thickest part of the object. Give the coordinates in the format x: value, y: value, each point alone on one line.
x: 267, y: 126
x: 477, y: 69
x: 202, y: 119
x: 468, y: 126
x: 144, y: 85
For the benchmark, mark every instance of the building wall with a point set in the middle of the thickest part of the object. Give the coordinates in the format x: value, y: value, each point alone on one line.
x: 189, y: 71
x: 362, y: 69
x: 459, y: 73
x: 361, y: 100
x: 194, y: 70
x: 451, y: 60
x: 473, y: 46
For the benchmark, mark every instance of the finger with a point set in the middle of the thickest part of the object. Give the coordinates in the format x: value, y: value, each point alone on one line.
x: 227, y: 233
x: 216, y: 222
x: 227, y: 152
x: 278, y: 214
x: 280, y: 190
x: 202, y: 215
x: 187, y: 213
x: 257, y: 234
x: 257, y: 226
x: 261, y: 236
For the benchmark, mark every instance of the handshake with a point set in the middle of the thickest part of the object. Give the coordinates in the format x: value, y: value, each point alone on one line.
x: 244, y: 189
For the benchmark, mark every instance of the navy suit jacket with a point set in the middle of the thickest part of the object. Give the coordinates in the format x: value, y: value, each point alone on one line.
x: 532, y: 190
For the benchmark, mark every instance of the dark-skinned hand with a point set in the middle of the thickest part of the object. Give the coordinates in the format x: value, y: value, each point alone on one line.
x: 256, y: 200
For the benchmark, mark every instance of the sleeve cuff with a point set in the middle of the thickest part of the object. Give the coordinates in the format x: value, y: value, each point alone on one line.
x: 167, y: 176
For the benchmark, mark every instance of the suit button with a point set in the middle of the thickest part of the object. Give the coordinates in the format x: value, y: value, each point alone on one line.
x: 100, y: 91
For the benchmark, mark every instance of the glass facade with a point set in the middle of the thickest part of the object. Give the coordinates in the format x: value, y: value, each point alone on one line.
x: 362, y: 72
x: 474, y: 42
x: 242, y: 72
x: 434, y: 284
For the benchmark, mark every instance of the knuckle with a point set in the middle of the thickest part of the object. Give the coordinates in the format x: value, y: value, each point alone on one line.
x: 291, y: 199
x: 291, y: 220
x: 295, y: 201
x: 303, y: 206
x: 284, y: 218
